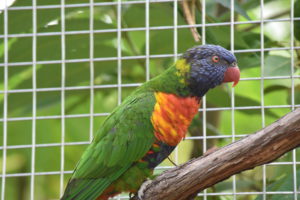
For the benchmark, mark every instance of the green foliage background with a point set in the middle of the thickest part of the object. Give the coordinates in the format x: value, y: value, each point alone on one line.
x: 277, y: 92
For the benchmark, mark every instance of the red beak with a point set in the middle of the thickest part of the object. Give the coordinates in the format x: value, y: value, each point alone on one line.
x: 232, y: 74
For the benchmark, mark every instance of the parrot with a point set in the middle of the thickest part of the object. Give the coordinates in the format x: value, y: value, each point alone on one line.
x: 147, y: 126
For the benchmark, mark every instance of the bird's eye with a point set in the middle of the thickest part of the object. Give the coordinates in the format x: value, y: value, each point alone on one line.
x: 215, y: 59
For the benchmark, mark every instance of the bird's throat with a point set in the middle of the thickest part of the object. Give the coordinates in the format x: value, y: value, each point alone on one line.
x: 172, y: 116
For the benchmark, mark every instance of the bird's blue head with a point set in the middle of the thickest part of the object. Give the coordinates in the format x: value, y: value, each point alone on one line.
x: 210, y: 65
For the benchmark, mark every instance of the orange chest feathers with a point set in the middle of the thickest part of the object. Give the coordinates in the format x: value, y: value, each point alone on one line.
x: 172, y: 116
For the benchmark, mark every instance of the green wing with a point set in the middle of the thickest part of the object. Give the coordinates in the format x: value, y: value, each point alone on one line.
x: 125, y: 137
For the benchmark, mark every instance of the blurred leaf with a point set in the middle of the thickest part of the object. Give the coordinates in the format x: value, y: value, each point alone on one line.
x: 286, y: 87
x: 104, y: 18
x: 252, y: 39
x: 285, y: 183
x: 277, y: 66
x: 17, y: 79
x: 22, y: 3
x: 129, y: 15
x: 247, y: 61
x: 185, y: 41
x: 213, y: 35
x: 297, y: 93
x: 220, y: 98
x: 161, y: 14
x: 19, y: 51
x: 237, y: 7
x: 161, y: 42
x: 254, y: 3
x: 297, y: 22
x: 80, y: 24
x: 273, y: 88
x: 243, y: 40
x: 14, y: 162
x: 20, y: 21
x: 241, y: 101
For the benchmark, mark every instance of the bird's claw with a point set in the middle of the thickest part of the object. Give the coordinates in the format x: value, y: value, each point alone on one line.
x: 142, y: 189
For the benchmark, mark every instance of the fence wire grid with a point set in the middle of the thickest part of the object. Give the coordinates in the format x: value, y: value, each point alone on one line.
x: 38, y: 119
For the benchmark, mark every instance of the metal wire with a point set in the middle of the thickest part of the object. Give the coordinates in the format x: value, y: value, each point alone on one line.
x: 119, y: 16
x: 147, y: 50
x: 158, y: 168
x: 232, y: 90
x: 5, y: 94
x: 175, y: 51
x: 62, y: 108
x: 34, y: 86
x: 14, y: 64
x: 106, y: 114
x: 92, y: 76
x: 204, y: 133
x: 119, y: 4
x: 150, y: 28
x: 262, y: 63
x: 125, y: 85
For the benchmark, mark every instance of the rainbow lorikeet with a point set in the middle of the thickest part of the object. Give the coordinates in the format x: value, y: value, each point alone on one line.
x: 141, y: 132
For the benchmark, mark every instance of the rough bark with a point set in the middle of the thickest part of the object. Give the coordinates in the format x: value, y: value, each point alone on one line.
x: 257, y: 149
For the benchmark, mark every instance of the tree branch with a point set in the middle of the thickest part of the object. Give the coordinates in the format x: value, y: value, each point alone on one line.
x: 190, y: 18
x: 266, y: 145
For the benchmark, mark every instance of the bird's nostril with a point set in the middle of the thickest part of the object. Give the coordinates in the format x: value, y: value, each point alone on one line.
x: 234, y: 64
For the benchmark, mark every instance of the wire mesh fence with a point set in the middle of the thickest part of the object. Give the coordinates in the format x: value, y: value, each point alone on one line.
x: 66, y: 64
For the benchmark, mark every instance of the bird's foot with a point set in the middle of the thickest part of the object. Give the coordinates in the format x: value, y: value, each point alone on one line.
x: 139, y: 195
x: 131, y: 195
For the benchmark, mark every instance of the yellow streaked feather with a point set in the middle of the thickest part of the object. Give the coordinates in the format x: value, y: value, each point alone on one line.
x: 184, y: 119
x: 160, y: 97
x: 164, y: 127
x: 170, y: 112
x: 182, y: 66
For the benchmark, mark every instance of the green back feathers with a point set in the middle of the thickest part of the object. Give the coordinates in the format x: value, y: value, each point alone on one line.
x: 124, y: 138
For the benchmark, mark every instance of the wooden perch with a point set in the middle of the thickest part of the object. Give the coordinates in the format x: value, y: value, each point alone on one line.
x: 260, y: 148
